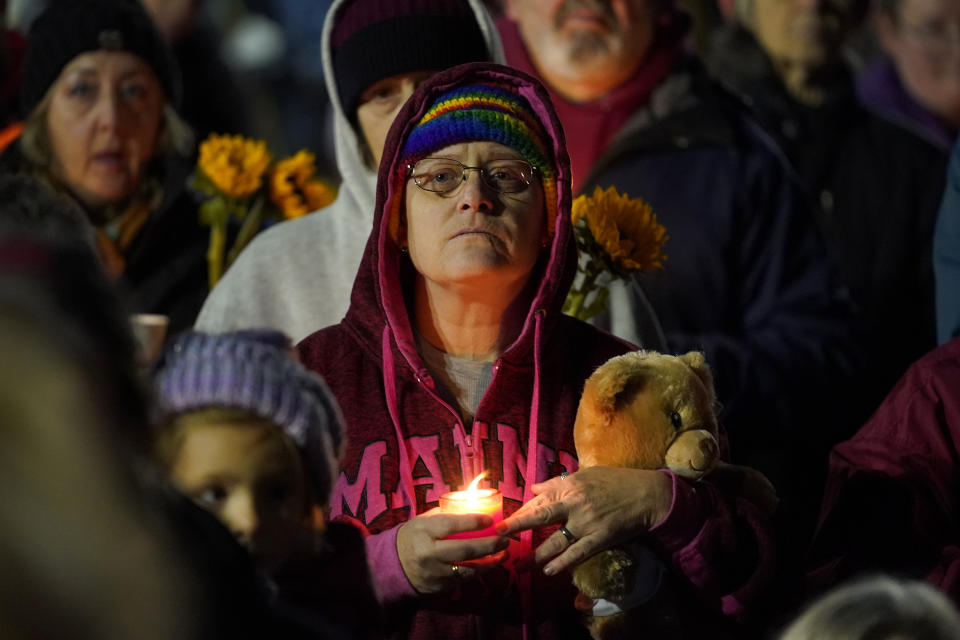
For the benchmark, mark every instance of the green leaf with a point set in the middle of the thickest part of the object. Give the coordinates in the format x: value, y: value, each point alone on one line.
x: 213, y: 212
x: 202, y: 183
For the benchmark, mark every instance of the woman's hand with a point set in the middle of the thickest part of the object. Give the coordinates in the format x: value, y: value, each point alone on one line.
x: 428, y: 559
x: 599, y: 506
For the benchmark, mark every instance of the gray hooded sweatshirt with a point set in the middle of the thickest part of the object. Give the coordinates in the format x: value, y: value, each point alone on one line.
x: 297, y: 276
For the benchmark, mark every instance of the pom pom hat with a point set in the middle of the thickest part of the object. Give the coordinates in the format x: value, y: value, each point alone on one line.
x: 484, y: 111
x: 254, y: 371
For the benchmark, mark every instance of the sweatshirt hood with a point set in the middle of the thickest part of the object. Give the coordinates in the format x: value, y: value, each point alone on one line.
x: 378, y: 314
x: 359, y: 181
x: 378, y: 295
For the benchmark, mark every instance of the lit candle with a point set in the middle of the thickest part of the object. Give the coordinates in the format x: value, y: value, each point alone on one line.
x: 473, y: 500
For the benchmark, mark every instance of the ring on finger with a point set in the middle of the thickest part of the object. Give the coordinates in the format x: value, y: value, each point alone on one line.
x: 566, y: 534
x: 564, y: 474
x: 457, y: 571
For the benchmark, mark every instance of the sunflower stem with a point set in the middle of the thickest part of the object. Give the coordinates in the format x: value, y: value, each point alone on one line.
x: 218, y: 238
x: 577, y: 298
x: 251, y: 224
x: 213, y: 212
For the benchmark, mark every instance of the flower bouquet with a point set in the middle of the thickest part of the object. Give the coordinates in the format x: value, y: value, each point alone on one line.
x: 243, y: 185
x: 617, y: 236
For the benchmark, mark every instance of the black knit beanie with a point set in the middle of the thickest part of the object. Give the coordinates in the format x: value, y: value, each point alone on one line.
x: 67, y: 28
x: 376, y: 39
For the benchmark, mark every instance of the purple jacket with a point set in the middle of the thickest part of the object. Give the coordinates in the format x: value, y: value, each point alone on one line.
x: 893, y: 494
x: 406, y: 446
x: 880, y: 88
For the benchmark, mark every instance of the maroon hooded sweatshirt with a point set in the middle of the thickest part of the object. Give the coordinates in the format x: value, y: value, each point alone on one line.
x: 406, y: 446
x: 892, y: 501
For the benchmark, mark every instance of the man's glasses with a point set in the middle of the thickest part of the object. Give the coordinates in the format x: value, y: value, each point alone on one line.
x: 443, y: 175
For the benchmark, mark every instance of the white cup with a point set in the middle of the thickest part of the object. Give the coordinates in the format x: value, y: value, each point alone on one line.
x: 149, y: 330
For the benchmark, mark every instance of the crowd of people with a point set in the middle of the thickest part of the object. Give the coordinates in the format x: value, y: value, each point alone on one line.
x: 277, y: 471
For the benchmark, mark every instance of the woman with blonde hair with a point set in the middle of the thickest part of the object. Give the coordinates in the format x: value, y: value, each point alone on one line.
x: 99, y: 95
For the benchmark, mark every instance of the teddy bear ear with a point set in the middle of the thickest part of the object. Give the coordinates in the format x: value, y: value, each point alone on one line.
x: 698, y: 362
x: 613, y: 378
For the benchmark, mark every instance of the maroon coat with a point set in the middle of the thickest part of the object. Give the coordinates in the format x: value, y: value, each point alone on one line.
x: 893, y: 493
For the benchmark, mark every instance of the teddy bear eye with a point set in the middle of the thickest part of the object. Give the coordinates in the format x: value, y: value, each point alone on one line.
x: 675, y: 419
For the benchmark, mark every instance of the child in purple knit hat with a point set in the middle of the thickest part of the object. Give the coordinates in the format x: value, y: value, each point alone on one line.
x: 255, y: 439
x: 250, y: 435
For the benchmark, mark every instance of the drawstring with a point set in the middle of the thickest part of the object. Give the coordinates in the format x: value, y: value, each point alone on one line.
x: 390, y: 391
x: 526, y: 537
x: 406, y: 472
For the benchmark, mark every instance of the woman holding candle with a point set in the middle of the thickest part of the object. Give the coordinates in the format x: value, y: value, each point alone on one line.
x: 454, y: 359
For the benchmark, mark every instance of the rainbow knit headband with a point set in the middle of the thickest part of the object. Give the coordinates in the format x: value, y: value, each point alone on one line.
x: 479, y: 112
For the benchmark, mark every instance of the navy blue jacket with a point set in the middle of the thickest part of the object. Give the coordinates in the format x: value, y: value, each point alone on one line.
x: 876, y: 187
x: 747, y: 278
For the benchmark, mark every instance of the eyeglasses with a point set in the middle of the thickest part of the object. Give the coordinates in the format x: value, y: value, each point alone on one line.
x: 443, y: 175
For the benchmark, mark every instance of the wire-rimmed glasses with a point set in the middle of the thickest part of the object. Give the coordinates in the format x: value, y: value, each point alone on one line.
x: 443, y: 175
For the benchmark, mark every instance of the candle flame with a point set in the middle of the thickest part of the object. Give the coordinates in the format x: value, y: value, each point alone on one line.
x: 476, y: 481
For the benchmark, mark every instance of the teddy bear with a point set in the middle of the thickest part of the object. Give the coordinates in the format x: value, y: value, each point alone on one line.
x: 642, y: 410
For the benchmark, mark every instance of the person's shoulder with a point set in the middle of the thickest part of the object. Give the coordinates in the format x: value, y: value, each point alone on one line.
x: 288, y: 243
x: 595, y: 344
x: 919, y: 418
x: 11, y: 159
x: 939, y: 365
x: 718, y: 116
x: 331, y: 343
x: 300, y: 230
x: 927, y: 383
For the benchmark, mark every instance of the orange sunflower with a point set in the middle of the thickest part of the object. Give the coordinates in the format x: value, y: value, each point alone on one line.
x: 234, y: 164
x: 624, y: 228
x: 295, y: 190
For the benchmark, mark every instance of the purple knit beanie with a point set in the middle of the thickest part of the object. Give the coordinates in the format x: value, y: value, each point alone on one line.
x: 376, y: 39
x: 254, y: 371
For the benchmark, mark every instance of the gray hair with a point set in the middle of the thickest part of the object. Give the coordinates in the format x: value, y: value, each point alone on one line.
x: 878, y: 608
